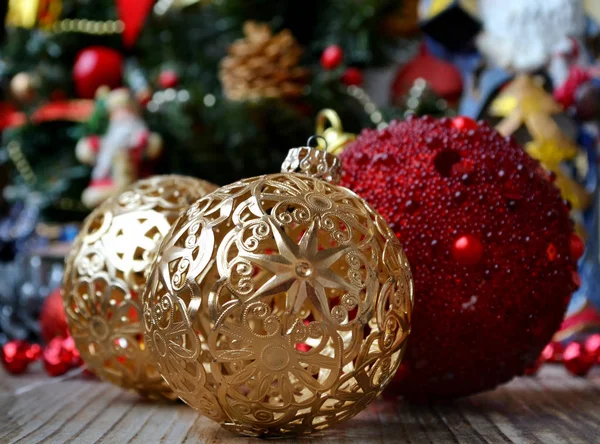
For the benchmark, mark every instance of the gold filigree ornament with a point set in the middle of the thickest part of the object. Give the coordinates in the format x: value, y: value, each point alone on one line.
x: 106, y: 274
x: 281, y: 304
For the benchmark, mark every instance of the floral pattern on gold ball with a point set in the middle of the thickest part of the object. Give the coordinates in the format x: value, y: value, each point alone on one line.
x: 279, y: 305
x: 106, y: 274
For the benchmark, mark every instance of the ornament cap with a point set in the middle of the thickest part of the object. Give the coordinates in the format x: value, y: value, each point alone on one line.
x: 313, y: 162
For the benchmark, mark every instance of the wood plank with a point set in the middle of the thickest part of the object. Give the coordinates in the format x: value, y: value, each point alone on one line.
x: 553, y: 407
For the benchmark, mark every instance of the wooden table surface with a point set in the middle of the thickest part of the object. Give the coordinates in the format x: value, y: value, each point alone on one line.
x: 553, y: 407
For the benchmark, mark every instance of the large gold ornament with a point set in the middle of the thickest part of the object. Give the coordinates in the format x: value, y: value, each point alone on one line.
x: 106, y: 273
x: 279, y: 304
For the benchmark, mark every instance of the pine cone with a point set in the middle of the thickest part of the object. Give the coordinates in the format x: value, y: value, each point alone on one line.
x: 263, y: 65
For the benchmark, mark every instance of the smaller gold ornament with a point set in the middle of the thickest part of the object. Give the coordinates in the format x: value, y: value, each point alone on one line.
x: 105, y: 276
x: 279, y: 305
x: 263, y: 65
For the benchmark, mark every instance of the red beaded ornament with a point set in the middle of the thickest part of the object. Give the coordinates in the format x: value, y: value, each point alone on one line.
x: 476, y: 216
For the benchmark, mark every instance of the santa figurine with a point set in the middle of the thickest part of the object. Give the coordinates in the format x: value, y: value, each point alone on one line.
x: 119, y: 155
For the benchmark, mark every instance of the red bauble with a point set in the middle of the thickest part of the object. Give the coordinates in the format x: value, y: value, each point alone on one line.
x: 53, y: 322
x: 17, y: 355
x: 352, y: 77
x: 168, y: 79
x: 592, y: 346
x: 577, y: 359
x: 60, y: 356
x: 97, y: 66
x: 442, y: 77
x: 486, y: 305
x: 332, y: 57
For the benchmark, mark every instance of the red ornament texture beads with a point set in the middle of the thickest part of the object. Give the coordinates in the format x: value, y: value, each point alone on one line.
x: 476, y: 216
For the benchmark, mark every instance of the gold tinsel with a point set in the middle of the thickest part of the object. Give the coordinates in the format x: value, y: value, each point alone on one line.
x: 263, y: 65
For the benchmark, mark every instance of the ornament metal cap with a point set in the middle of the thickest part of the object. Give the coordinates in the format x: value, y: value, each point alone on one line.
x: 314, y: 162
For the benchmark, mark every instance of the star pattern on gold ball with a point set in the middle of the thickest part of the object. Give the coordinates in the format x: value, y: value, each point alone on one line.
x: 302, y: 270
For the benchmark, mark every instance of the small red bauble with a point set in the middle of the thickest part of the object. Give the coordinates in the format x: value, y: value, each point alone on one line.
x: 592, y: 345
x: 576, y: 246
x: 577, y: 360
x: 60, y: 356
x: 332, y: 57
x: 52, y: 317
x: 467, y: 250
x: 352, y: 77
x: 477, y: 323
x: 168, y: 79
x: 17, y: 355
x: 97, y: 66
x: 552, y: 352
x: 442, y: 77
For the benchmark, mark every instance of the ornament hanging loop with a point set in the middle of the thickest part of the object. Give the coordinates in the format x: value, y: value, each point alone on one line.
x: 313, y: 161
x: 318, y: 142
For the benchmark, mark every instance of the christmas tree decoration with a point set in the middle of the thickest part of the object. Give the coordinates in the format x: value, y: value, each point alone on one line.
x: 488, y: 239
x: 332, y: 57
x: 105, y: 276
x: 53, y: 322
x: 133, y: 14
x: 121, y: 155
x: 263, y: 65
x: 23, y: 87
x: 97, y: 66
x: 279, y: 305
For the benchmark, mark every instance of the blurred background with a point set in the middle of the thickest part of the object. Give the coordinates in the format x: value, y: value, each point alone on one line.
x: 95, y: 94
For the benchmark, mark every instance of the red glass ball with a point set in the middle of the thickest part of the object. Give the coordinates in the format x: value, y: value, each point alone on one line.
x: 353, y: 77
x: 576, y: 246
x: 97, y: 66
x: 332, y: 57
x: 552, y: 352
x: 577, y: 359
x: 16, y: 356
x: 59, y: 356
x: 467, y: 250
x: 592, y: 345
x: 474, y: 326
x: 168, y: 79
